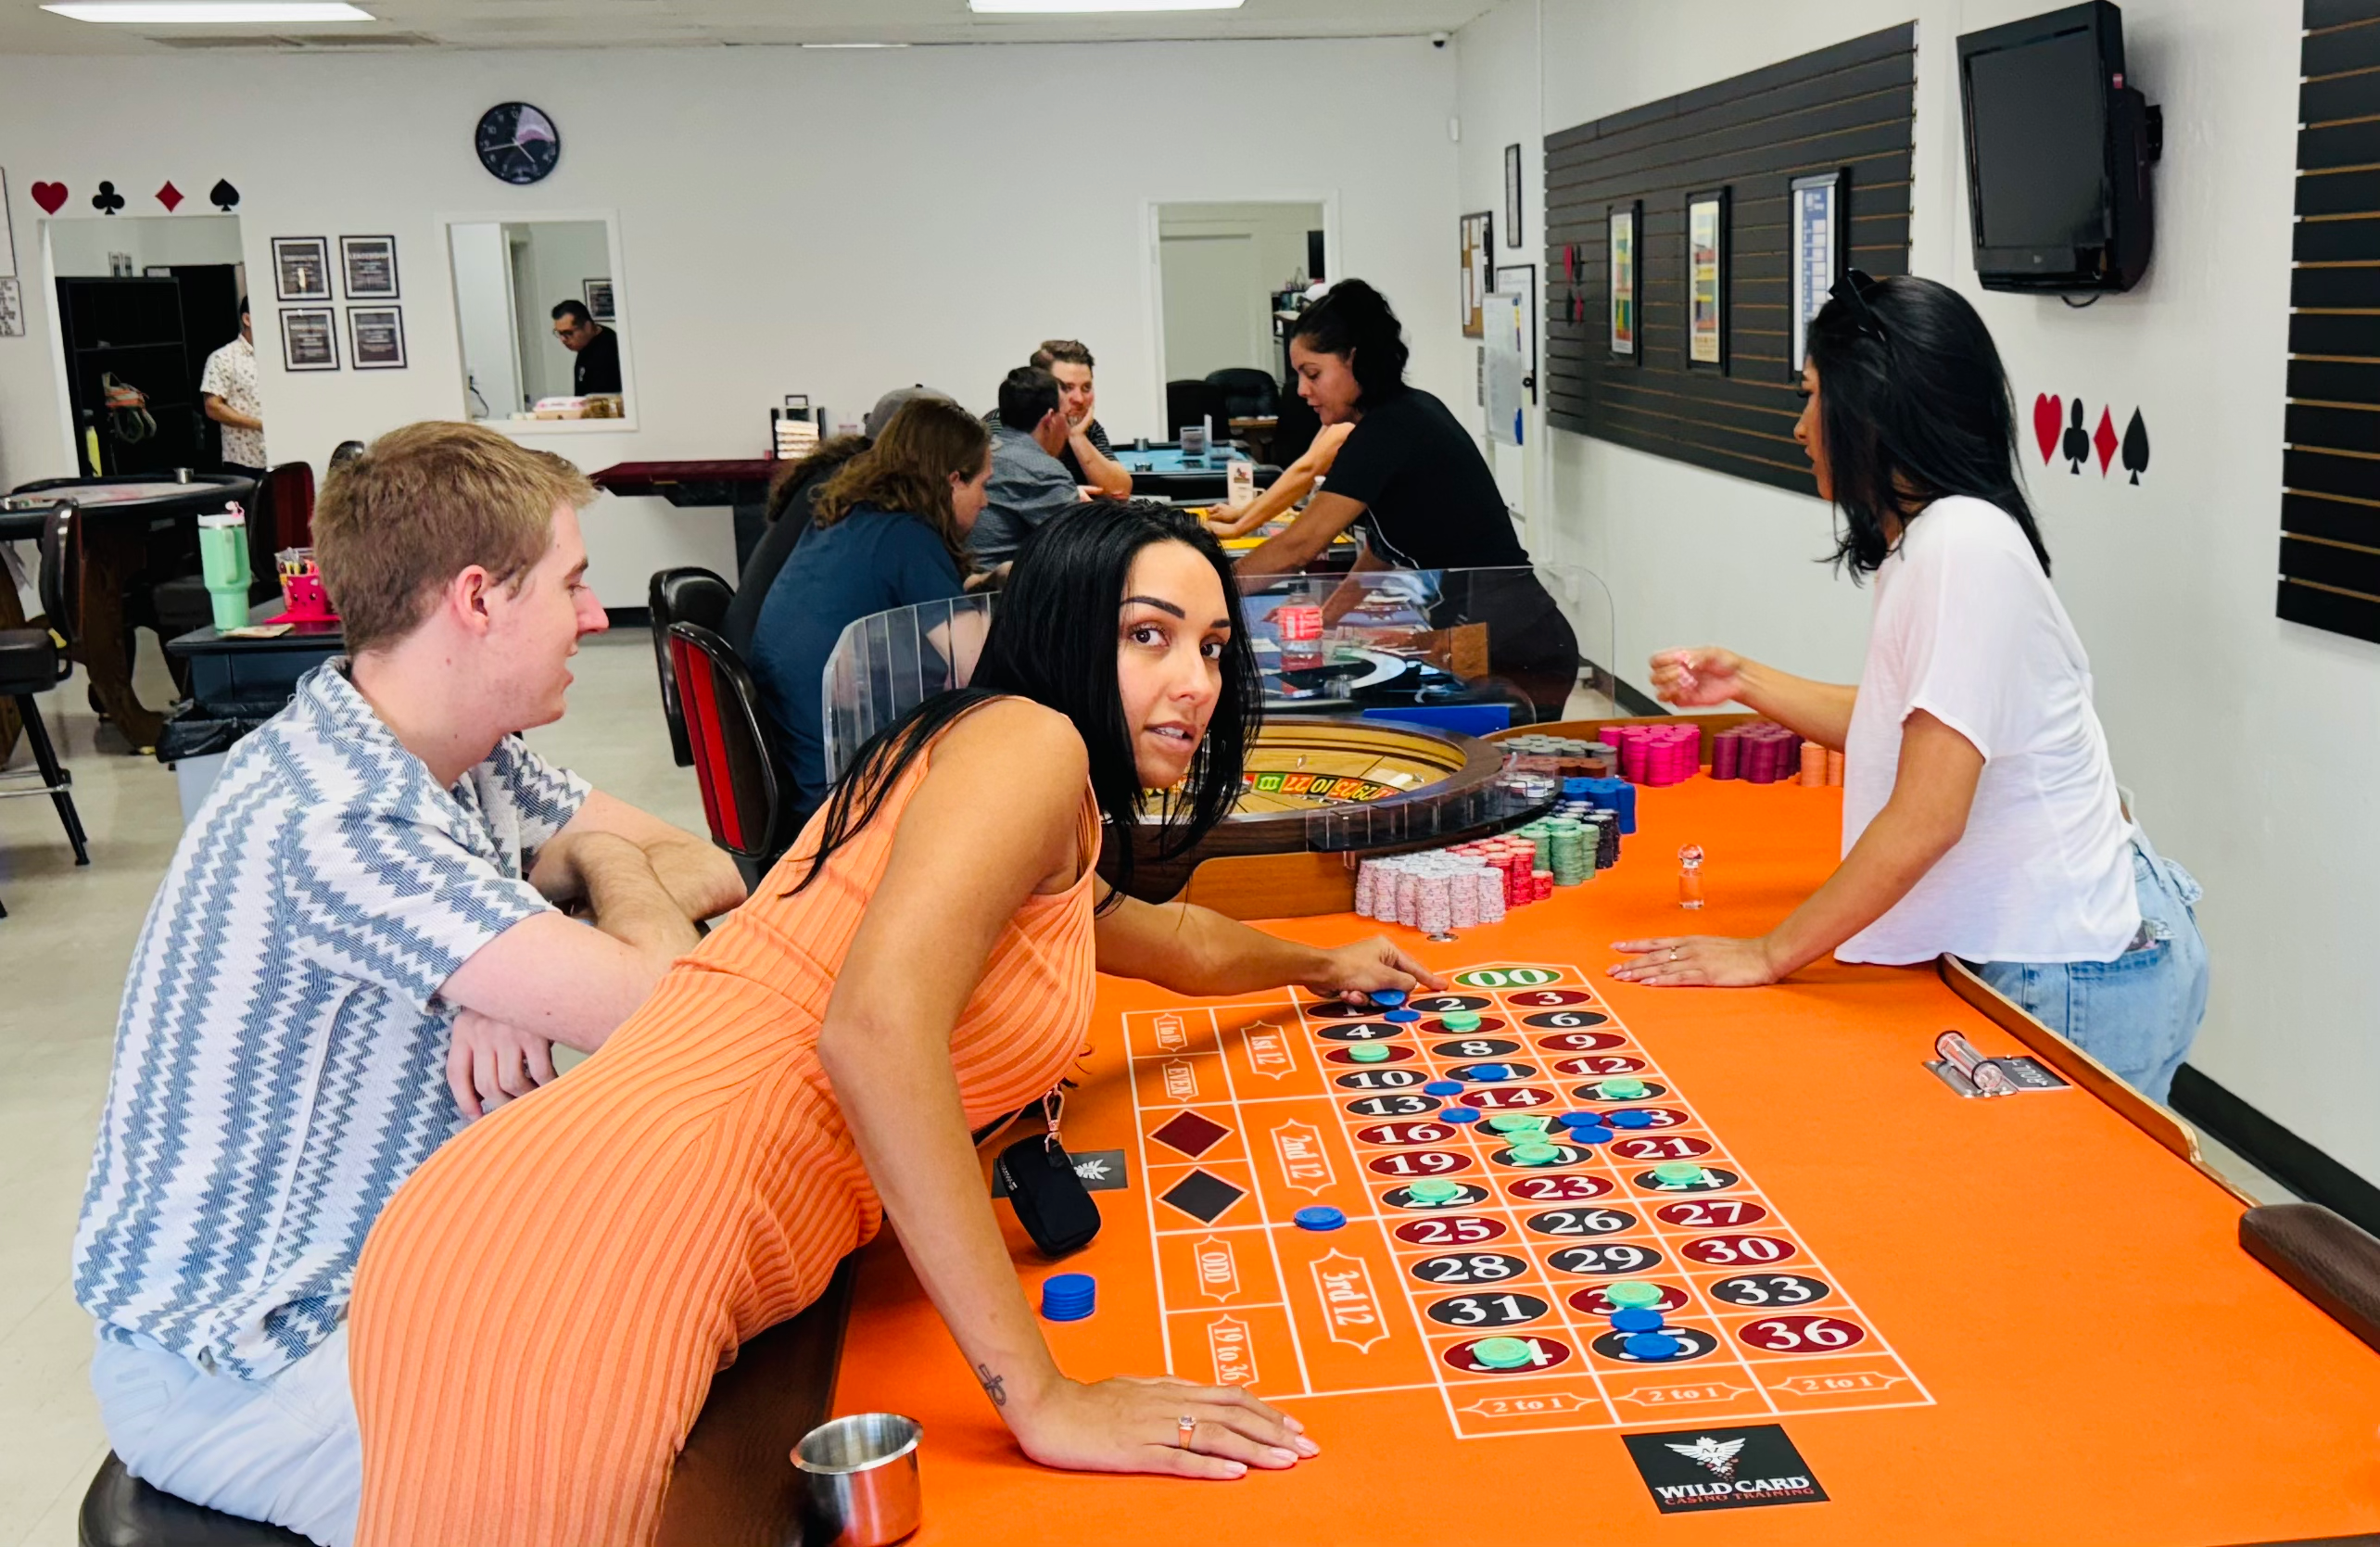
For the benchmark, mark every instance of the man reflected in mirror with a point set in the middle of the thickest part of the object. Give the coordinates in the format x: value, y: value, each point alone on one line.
x: 596, y: 368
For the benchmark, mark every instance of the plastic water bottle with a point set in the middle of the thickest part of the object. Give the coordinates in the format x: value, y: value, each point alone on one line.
x: 224, y: 559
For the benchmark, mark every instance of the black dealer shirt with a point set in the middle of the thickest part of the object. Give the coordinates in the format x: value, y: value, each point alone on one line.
x: 1429, y: 499
x: 597, y: 367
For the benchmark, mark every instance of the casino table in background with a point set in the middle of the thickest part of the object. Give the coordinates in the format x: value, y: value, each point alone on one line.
x: 1162, y: 472
x: 131, y: 530
x: 2033, y: 1320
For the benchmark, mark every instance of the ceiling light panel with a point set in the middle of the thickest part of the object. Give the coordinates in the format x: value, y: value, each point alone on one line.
x: 1093, y: 7
x: 210, y: 13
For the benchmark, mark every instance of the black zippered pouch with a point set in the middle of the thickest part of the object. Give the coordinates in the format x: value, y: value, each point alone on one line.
x: 1051, y: 1202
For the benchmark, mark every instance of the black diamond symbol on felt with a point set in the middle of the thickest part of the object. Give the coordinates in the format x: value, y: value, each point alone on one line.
x: 1191, y: 1134
x: 1203, y: 1196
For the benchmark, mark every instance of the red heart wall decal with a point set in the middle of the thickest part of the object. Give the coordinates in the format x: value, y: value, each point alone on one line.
x: 2049, y: 419
x: 49, y: 196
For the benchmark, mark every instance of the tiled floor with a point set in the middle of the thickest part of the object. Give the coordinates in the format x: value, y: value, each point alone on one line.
x: 63, y: 950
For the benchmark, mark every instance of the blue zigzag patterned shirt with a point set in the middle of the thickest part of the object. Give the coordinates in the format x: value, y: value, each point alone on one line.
x: 280, y: 1060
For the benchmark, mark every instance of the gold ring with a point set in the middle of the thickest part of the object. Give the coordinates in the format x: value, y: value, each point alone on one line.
x: 1673, y: 953
x: 1184, y: 1426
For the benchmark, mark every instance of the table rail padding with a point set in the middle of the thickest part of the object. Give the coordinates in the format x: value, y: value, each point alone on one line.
x: 734, y: 1484
x: 2323, y: 1257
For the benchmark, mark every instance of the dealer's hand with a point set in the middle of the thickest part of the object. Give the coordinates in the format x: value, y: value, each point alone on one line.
x: 1697, y: 679
x: 1697, y: 962
x: 1134, y: 1426
x: 1350, y: 972
x: 490, y: 1061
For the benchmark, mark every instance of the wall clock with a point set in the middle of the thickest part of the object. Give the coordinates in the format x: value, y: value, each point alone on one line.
x: 517, y: 143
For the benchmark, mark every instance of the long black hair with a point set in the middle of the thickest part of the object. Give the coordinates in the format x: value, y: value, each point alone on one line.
x: 1353, y: 321
x: 1914, y: 407
x: 1052, y: 640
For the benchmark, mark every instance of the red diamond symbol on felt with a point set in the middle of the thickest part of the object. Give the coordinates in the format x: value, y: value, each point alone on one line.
x: 2103, y: 441
x: 169, y: 197
x: 1190, y: 1133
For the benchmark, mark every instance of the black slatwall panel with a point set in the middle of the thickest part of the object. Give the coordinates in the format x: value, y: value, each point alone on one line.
x: 2330, y: 510
x: 1849, y: 107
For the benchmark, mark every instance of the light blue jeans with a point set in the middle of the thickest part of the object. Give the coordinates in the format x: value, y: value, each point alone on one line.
x: 284, y: 1449
x: 2139, y: 1014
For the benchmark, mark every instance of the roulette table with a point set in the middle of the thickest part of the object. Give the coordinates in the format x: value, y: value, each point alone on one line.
x: 1898, y: 1313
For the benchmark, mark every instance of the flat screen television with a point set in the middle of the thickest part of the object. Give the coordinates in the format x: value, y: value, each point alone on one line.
x: 2059, y: 148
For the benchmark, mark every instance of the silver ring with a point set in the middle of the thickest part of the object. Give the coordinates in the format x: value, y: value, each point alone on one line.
x: 1184, y: 1426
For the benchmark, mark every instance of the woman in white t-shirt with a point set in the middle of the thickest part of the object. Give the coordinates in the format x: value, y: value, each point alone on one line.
x: 1980, y: 815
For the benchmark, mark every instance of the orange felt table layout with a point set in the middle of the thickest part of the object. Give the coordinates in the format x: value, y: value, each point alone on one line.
x: 2013, y: 1320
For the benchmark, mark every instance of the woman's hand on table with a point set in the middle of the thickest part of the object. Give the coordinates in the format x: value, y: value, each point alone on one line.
x: 1134, y: 1426
x: 1350, y: 972
x: 1697, y: 962
x: 1698, y: 678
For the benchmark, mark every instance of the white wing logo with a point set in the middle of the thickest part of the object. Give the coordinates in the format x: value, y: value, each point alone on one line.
x: 1715, y: 1456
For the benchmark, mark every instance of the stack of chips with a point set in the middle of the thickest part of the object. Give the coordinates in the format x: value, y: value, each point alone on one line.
x: 1760, y: 752
x: 1435, y: 893
x: 1564, y: 756
x: 1657, y: 754
x: 1068, y: 1297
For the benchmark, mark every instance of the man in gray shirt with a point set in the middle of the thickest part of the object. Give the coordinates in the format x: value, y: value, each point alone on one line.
x: 1029, y: 484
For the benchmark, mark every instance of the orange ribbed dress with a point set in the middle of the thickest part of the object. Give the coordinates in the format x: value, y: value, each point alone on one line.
x: 538, y: 1313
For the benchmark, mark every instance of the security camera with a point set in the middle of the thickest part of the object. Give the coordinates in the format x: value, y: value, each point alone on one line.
x: 1438, y: 39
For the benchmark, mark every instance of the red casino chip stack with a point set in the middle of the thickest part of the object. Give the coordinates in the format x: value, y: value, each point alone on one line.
x: 1761, y: 751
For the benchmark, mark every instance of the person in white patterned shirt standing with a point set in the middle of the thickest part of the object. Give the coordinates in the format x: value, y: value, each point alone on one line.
x: 360, y: 946
x: 227, y: 389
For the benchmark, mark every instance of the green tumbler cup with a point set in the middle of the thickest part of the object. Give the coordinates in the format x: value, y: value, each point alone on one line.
x: 224, y: 559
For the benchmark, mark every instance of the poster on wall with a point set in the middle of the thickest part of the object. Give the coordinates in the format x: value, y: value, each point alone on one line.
x: 1706, y: 280
x: 1818, y: 216
x: 1505, y: 368
x: 1626, y: 282
x: 1521, y: 280
x: 1478, y: 263
x: 12, y: 307
x: 598, y: 296
x: 376, y: 337
x: 309, y: 338
x: 369, y: 265
x: 301, y: 269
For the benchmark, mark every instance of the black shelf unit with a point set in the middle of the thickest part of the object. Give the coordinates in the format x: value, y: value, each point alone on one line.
x: 133, y: 328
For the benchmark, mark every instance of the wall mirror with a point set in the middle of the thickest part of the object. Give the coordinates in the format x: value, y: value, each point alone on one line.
x: 525, y: 368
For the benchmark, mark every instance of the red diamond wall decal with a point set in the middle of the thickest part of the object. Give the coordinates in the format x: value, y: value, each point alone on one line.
x: 169, y: 197
x: 2103, y: 441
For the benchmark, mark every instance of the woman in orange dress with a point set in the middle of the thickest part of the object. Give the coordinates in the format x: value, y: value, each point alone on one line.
x: 538, y: 1313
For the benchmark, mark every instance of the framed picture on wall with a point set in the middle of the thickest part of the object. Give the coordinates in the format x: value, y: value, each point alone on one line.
x: 376, y: 337
x: 1816, y: 220
x: 1511, y: 196
x: 309, y: 338
x: 1707, y: 281
x: 369, y: 265
x: 1478, y: 268
x: 1521, y: 279
x: 598, y: 294
x: 301, y: 269
x: 1626, y: 277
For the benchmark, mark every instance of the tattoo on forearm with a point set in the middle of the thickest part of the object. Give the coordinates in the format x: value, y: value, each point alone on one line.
x: 995, y: 1387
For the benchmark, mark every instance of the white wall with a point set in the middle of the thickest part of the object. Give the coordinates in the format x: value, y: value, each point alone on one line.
x: 79, y: 245
x: 823, y: 222
x: 2250, y: 742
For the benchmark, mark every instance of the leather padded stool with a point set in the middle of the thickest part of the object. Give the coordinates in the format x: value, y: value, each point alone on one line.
x: 123, y: 1511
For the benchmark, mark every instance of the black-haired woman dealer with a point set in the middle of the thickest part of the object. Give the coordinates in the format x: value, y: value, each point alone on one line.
x: 1409, y: 479
x: 1981, y: 815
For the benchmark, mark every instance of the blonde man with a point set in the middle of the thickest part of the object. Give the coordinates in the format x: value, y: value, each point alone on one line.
x: 358, y: 946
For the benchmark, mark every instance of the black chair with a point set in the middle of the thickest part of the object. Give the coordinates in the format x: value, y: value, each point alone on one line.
x: 685, y: 595
x: 1192, y: 403
x: 747, y: 797
x: 33, y: 661
x: 345, y: 452
x: 121, y: 1510
x: 1249, y: 393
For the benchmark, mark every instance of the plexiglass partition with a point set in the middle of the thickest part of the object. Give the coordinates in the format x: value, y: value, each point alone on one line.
x: 1535, y: 641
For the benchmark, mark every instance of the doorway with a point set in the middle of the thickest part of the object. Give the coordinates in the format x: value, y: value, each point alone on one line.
x: 1228, y: 276
x: 143, y: 301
